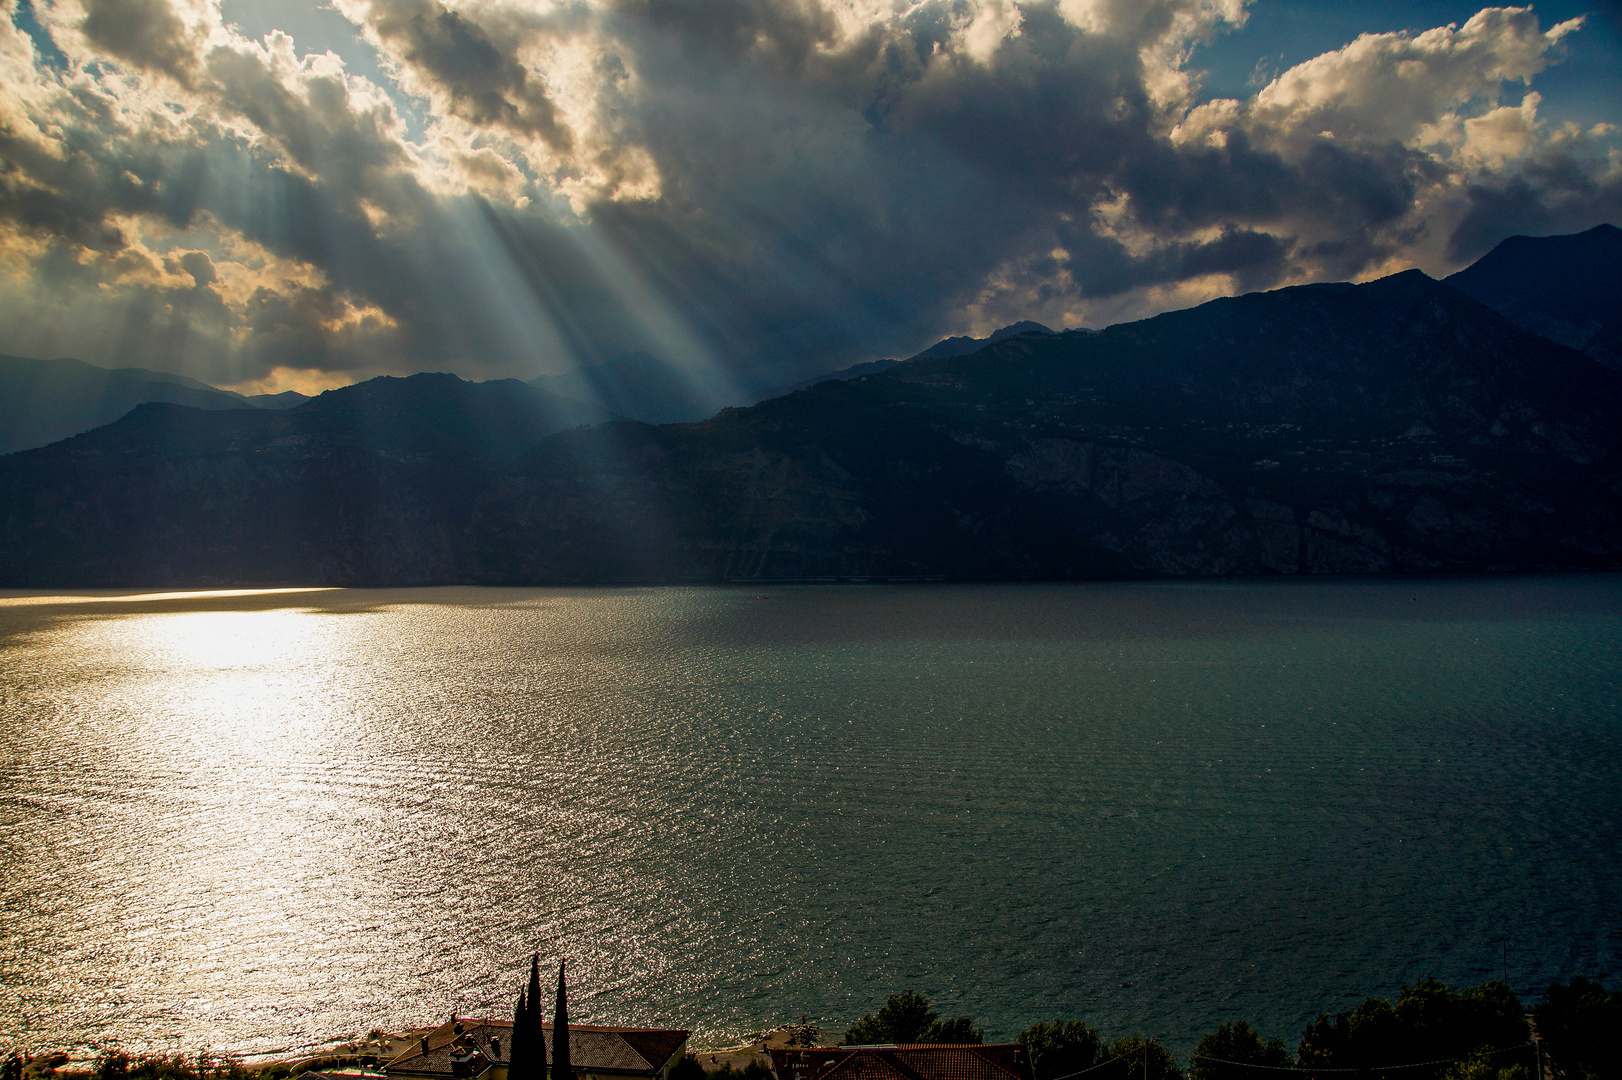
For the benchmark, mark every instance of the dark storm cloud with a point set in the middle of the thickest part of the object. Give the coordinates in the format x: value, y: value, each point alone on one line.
x: 773, y: 187
x: 482, y: 78
x: 1557, y: 192
x: 146, y: 33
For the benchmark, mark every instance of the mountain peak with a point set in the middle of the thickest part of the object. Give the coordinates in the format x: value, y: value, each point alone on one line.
x: 1565, y: 288
x: 964, y: 345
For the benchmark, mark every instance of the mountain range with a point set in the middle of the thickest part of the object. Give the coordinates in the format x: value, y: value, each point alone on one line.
x: 1565, y: 288
x: 42, y: 401
x: 1393, y: 426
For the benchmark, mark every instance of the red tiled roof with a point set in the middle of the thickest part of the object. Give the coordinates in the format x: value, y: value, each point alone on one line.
x: 592, y: 1048
x: 865, y: 1067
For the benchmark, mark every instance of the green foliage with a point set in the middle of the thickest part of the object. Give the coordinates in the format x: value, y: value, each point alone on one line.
x: 114, y: 1065
x: 907, y: 1018
x: 1578, y: 1024
x: 958, y: 1031
x: 1240, y: 1044
x: 1428, y: 1022
x: 1141, y: 1058
x: 1061, y: 1048
x: 752, y: 1071
x: 1488, y: 1067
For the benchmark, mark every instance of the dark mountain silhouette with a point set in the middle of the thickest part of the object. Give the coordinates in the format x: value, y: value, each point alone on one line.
x: 42, y: 401
x: 870, y: 367
x: 1565, y: 288
x: 640, y: 386
x: 1392, y: 426
x: 287, y: 399
x: 965, y: 346
x: 373, y: 482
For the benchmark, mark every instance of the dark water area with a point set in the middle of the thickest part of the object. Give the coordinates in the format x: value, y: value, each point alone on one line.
x: 266, y: 820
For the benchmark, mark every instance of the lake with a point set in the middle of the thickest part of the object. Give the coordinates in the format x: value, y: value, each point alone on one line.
x: 265, y: 820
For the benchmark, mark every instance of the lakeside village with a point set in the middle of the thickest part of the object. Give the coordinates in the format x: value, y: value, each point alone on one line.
x: 1431, y: 1032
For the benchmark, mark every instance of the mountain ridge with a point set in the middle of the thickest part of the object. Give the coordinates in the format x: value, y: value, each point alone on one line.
x: 1565, y: 288
x: 43, y: 401
x: 1394, y: 426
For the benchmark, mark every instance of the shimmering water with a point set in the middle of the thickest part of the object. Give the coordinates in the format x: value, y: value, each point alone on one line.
x: 262, y: 821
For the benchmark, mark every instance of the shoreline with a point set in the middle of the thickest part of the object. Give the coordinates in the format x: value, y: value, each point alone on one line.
x: 383, y: 1046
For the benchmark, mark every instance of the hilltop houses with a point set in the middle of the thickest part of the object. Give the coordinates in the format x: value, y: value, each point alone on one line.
x: 468, y: 1049
x: 525, y: 1048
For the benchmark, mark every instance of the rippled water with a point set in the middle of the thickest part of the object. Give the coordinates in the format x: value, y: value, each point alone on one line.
x: 261, y: 821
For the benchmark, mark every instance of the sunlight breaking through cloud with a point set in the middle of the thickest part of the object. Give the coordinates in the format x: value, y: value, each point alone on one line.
x: 751, y: 192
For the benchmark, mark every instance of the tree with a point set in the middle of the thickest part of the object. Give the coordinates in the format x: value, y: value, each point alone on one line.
x: 518, y: 1049
x: 1428, y: 1023
x: 908, y: 1018
x: 1228, y: 1052
x: 1578, y: 1025
x: 535, y: 1015
x: 958, y: 1031
x: 1142, y: 1058
x: 112, y: 1065
x: 1061, y: 1048
x: 562, y: 1067
x: 905, y: 1018
x: 1488, y: 1067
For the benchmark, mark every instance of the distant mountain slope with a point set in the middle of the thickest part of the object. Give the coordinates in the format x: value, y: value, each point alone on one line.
x: 639, y: 386
x: 42, y: 401
x: 855, y: 371
x: 1392, y: 426
x: 287, y: 399
x: 964, y: 346
x: 357, y: 484
x: 1565, y: 288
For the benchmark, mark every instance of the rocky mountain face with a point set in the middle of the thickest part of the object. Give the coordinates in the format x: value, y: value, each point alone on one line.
x: 1565, y: 288
x: 1393, y: 426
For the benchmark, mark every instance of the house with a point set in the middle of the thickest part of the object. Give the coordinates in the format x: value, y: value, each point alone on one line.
x: 1001, y: 1061
x: 466, y: 1049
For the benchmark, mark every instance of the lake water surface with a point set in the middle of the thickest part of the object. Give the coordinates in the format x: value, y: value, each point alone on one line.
x: 261, y: 821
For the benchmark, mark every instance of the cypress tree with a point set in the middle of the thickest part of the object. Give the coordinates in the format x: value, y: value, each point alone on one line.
x: 534, y: 1025
x: 518, y: 1046
x: 536, y: 1016
x: 561, y: 1068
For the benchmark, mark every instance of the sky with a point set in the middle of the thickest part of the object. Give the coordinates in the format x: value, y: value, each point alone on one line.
x: 297, y: 195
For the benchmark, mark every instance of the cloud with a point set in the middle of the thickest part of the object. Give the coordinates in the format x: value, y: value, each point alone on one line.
x: 147, y: 33
x: 756, y: 189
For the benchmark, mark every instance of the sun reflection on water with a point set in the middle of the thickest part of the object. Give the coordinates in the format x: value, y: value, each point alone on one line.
x: 263, y: 821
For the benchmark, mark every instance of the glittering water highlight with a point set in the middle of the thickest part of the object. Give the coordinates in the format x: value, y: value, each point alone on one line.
x: 257, y: 821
